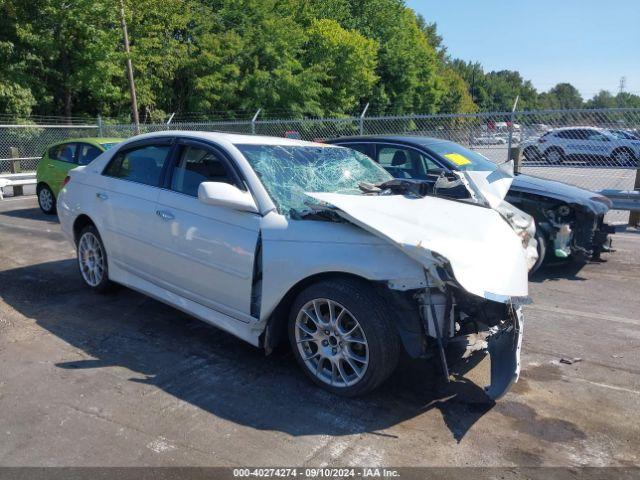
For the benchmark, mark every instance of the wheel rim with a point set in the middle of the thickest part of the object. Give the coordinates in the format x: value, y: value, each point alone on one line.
x: 331, y: 342
x: 623, y: 157
x: 46, y: 199
x: 91, y: 259
x: 553, y: 156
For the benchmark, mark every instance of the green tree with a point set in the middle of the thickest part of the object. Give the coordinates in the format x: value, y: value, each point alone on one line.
x: 67, y: 48
x: 562, y: 96
x: 348, y: 61
x: 603, y: 99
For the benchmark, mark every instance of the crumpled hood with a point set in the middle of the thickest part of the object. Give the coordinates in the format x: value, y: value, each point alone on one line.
x: 485, y: 254
x: 489, y: 187
x: 559, y: 191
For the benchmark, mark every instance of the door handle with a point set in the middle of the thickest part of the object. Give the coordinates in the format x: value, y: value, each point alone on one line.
x: 164, y: 215
x: 102, y: 196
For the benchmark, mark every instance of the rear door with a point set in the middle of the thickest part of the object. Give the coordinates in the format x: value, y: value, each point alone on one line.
x: 127, y: 204
x: 206, y: 252
x: 576, y: 141
x: 597, y: 144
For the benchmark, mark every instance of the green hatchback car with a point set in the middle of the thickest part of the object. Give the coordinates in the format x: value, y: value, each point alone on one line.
x: 61, y: 157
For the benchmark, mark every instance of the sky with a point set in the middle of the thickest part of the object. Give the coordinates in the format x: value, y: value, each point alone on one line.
x: 590, y: 44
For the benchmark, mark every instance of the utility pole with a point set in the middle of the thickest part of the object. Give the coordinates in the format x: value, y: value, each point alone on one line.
x: 473, y: 84
x: 623, y: 84
x: 132, y: 85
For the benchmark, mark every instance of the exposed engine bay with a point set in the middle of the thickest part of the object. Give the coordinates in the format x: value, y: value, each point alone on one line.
x: 451, y: 315
x: 569, y: 229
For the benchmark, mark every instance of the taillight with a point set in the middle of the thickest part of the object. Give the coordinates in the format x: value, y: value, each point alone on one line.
x: 66, y: 180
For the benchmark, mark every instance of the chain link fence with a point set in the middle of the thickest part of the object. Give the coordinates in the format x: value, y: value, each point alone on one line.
x: 27, y: 142
x: 589, y: 148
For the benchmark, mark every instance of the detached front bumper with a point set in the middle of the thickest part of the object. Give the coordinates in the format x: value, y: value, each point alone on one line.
x: 482, y: 327
x: 504, y: 351
x: 602, y: 238
x: 592, y: 235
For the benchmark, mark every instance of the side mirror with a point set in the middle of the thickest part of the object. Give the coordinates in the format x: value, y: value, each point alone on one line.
x: 226, y: 195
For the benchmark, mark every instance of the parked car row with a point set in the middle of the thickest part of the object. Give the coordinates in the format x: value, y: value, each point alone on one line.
x: 351, y: 250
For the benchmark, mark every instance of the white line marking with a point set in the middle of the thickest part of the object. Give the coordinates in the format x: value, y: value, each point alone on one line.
x: 577, y: 313
x: 604, y: 385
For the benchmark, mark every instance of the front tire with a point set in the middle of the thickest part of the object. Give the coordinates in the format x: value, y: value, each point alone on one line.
x: 623, y: 158
x: 46, y: 199
x: 542, y: 251
x: 92, y: 260
x: 342, y: 338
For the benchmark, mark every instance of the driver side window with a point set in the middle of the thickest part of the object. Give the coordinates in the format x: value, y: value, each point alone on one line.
x: 196, y: 165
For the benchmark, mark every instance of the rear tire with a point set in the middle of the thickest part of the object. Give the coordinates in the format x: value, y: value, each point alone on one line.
x: 342, y: 337
x: 46, y: 199
x: 531, y: 154
x: 554, y: 156
x: 92, y: 260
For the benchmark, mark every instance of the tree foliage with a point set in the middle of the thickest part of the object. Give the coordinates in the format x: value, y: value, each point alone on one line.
x: 231, y: 57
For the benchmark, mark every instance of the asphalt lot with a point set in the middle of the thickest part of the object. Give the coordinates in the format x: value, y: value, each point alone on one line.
x: 122, y: 380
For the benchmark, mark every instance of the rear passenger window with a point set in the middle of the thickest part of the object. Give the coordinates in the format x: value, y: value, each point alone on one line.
x: 63, y: 153
x: 360, y: 147
x: 141, y: 165
x: 196, y: 165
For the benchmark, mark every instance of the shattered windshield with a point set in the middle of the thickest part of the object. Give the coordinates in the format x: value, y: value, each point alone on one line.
x: 287, y: 171
x: 462, y: 158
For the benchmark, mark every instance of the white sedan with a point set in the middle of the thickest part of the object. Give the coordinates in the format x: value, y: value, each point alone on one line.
x: 269, y: 238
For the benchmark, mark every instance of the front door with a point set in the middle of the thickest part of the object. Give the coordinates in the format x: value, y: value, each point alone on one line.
x: 207, y: 251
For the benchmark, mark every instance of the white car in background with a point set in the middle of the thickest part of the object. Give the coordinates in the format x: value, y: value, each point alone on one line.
x: 489, y: 140
x: 582, y: 143
x: 269, y: 238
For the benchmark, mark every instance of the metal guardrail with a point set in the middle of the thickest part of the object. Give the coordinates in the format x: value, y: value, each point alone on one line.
x: 16, y: 181
x: 623, y: 199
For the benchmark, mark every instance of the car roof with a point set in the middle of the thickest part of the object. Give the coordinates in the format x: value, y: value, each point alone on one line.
x: 586, y: 127
x: 93, y: 140
x: 404, y: 139
x: 233, y: 138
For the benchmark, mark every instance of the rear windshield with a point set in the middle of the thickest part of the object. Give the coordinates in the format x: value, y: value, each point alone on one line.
x: 461, y: 158
x: 107, y: 146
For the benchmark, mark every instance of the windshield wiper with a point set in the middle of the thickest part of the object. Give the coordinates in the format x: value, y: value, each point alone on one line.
x: 369, y: 187
x: 313, y: 213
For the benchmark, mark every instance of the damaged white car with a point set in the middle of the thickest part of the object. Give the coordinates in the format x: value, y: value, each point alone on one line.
x: 269, y: 238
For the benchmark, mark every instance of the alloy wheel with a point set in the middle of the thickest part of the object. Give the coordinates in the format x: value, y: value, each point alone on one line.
x: 45, y: 197
x: 554, y: 156
x: 91, y: 259
x: 331, y: 342
x: 623, y: 158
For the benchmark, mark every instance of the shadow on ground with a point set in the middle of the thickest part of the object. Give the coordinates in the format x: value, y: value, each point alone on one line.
x: 220, y: 374
x: 562, y: 270
x: 31, y: 214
